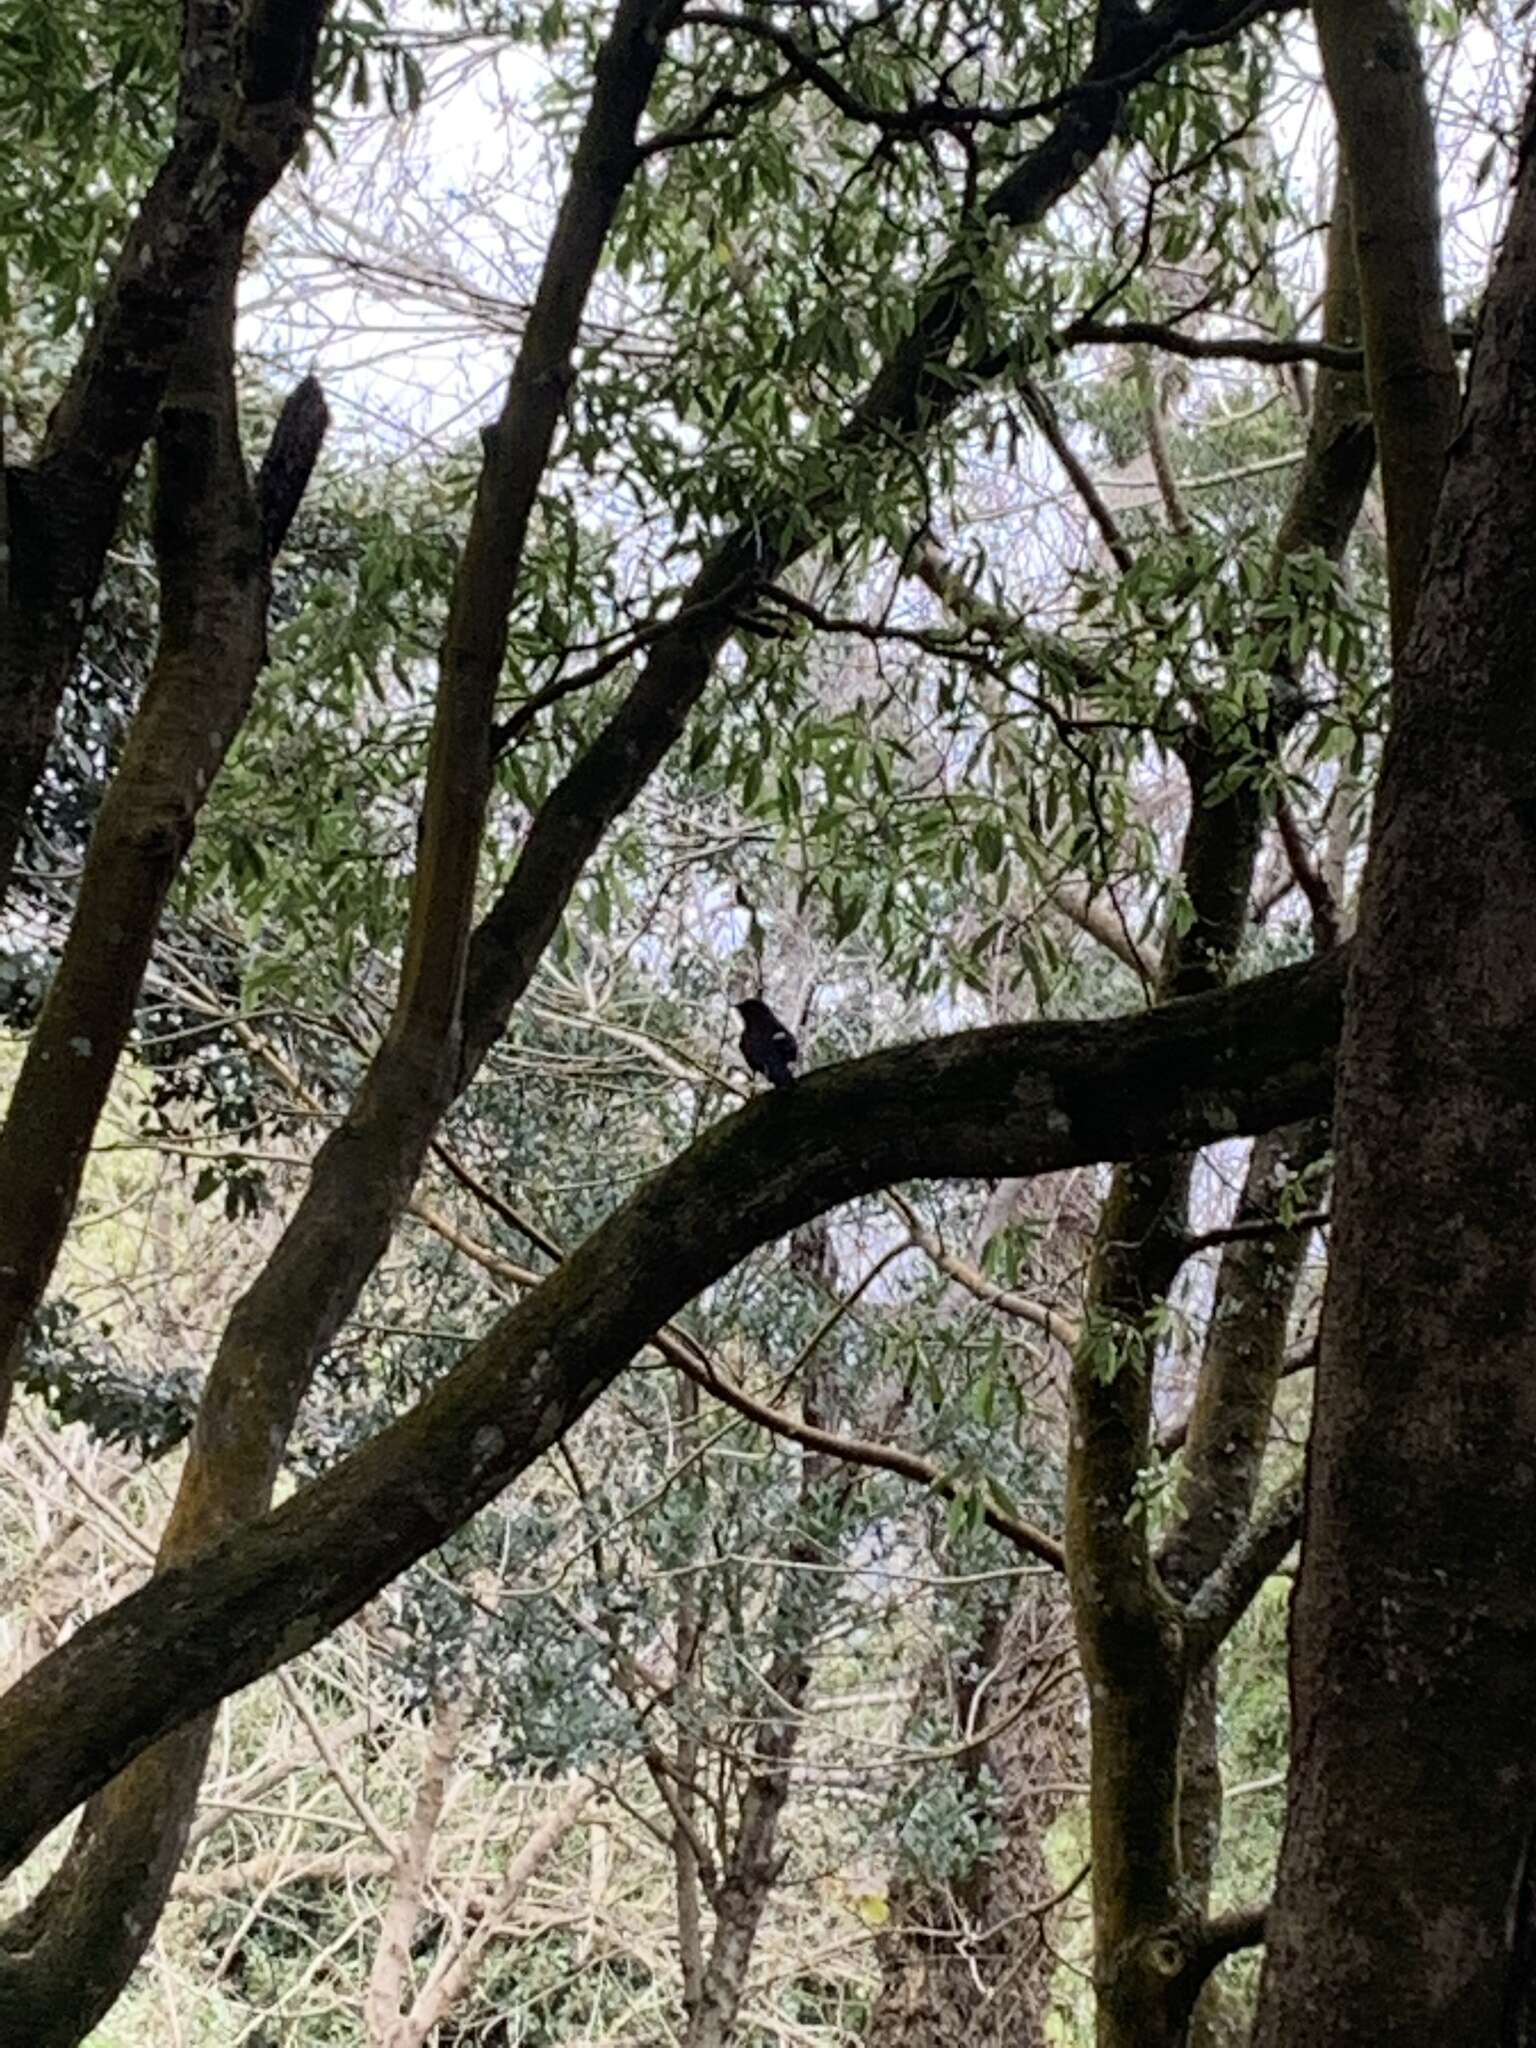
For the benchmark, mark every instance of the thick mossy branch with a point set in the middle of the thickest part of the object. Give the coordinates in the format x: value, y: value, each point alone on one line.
x: 1014, y: 1100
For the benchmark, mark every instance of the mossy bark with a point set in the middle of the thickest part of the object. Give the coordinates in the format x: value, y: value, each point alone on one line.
x: 1402, y: 1911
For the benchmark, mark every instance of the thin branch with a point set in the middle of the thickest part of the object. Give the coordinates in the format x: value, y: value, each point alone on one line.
x: 1129, y: 47
x: 1309, y: 878
x: 1155, y: 424
x: 278, y: 1869
x: 1231, y: 1589
x: 459, y: 1965
x: 690, y: 1358
x: 390, y: 1974
x: 1004, y: 629
x: 216, y: 1811
x: 854, y: 1450
x: 1108, y: 927
x: 509, y: 730
x: 1043, y: 413
x: 1173, y: 1438
x: 340, y: 1777
x: 1254, y: 1227
x: 1063, y: 1329
x: 1248, y: 348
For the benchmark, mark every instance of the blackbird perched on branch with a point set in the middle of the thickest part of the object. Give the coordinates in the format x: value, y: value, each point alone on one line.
x: 767, y: 1046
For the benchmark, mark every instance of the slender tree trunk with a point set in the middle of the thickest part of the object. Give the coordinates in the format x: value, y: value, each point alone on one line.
x: 1402, y: 1911
x: 215, y: 535
x: 1151, y: 1861
x: 968, y: 1959
x: 1244, y: 1356
x: 751, y: 1868
x: 1376, y: 82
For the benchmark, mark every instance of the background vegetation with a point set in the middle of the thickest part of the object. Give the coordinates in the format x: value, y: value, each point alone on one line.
x: 930, y: 566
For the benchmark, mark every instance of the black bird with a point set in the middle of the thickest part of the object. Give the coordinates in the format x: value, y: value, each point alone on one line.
x: 767, y: 1046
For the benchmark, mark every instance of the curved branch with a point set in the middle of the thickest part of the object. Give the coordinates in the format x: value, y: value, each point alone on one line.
x: 1012, y: 1100
x: 1253, y: 1230
x: 1225, y: 1935
x: 850, y: 1450
x: 1129, y: 48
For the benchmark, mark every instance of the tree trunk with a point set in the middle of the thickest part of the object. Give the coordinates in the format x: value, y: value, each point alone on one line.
x: 243, y: 106
x: 1375, y: 77
x: 714, y: 1985
x: 1149, y: 1898
x: 1401, y: 1911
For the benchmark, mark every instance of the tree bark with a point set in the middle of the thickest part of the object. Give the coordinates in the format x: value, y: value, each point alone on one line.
x: 1401, y: 1912
x: 215, y: 536
x: 1376, y: 82
x: 244, y: 105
